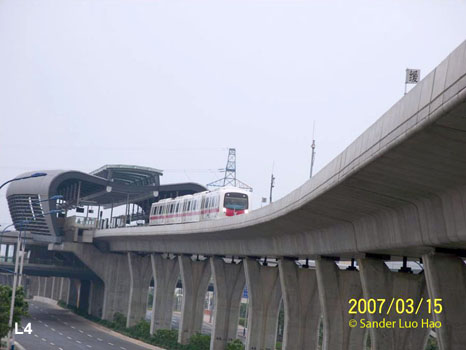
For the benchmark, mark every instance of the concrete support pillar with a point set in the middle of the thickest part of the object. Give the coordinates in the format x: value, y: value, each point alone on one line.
x: 84, y: 292
x: 165, y: 273
x: 140, y: 276
x: 43, y: 286
x: 96, y: 298
x: 65, y: 290
x: 301, y: 304
x: 117, y: 286
x: 446, y: 280
x: 111, y: 268
x: 34, y: 287
x: 59, y: 283
x: 56, y: 288
x: 336, y: 287
x: 229, y: 280
x: 264, y: 294
x: 75, y: 286
x: 195, y: 276
x: 48, y: 288
x: 60, y: 291
x: 52, y: 279
x: 378, y: 282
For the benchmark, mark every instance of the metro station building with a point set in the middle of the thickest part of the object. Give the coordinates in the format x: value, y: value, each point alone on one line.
x: 109, y: 197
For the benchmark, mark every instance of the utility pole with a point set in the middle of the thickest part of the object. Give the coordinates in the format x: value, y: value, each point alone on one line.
x: 272, y: 185
x: 313, y: 148
x: 313, y: 154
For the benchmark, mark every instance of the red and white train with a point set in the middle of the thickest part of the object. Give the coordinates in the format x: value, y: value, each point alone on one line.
x: 208, y: 205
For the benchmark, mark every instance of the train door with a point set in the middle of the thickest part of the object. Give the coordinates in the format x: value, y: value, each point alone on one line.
x: 178, y: 210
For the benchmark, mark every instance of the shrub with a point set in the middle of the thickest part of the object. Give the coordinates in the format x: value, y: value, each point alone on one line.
x: 119, y: 320
x: 432, y: 344
x: 199, y: 342
x: 21, y: 307
x: 235, y: 345
x: 165, y: 338
x: 141, y: 330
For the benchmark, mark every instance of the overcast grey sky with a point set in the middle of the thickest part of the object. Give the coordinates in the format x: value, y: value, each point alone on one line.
x: 172, y: 84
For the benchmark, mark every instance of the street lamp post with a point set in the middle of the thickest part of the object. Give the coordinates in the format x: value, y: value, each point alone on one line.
x: 13, y: 293
x: 10, y: 323
x: 11, y: 335
x: 23, y: 178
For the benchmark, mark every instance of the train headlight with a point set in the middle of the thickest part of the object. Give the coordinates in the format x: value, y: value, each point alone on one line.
x: 246, y: 211
x: 224, y: 210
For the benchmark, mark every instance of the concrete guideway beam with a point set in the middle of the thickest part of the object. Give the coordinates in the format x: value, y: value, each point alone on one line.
x: 140, y: 276
x: 264, y: 302
x: 378, y: 282
x: 446, y: 279
x: 336, y: 287
x: 166, y: 273
x: 229, y: 281
x: 301, y: 304
x: 195, y: 276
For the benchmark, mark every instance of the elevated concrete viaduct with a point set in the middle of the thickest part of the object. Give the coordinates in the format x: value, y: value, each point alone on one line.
x: 399, y: 190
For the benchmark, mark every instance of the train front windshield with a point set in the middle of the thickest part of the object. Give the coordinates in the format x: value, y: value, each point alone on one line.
x: 236, y: 201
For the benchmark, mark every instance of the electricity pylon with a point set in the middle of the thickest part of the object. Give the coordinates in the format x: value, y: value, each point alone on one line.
x: 230, y: 174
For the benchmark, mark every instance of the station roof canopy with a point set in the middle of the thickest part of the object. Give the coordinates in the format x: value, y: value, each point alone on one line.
x: 129, y: 174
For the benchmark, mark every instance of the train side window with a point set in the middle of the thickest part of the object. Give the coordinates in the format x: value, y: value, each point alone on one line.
x: 188, y: 205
